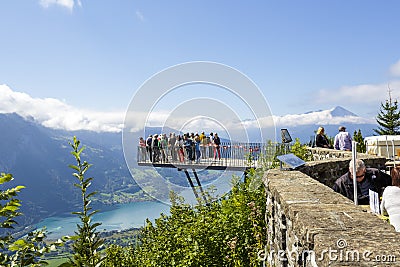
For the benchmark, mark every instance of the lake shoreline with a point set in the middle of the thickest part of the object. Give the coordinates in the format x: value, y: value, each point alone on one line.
x: 116, y: 217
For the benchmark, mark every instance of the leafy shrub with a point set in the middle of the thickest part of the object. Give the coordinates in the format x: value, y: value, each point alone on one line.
x: 226, y: 232
x: 28, y: 250
x: 300, y: 150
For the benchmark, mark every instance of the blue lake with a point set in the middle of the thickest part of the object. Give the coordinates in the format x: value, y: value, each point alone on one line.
x: 123, y: 216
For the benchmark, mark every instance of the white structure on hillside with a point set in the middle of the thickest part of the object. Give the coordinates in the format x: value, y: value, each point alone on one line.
x: 383, y: 145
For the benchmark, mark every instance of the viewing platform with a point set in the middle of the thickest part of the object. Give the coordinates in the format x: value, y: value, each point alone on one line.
x: 234, y: 156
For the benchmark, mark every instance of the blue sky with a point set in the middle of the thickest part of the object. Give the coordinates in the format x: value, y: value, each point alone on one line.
x: 303, y: 55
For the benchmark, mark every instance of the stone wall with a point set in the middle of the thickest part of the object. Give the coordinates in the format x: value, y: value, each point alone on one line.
x: 319, y: 153
x: 311, y: 225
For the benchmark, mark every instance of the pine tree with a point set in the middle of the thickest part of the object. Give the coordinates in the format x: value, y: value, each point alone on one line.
x: 357, y: 136
x: 388, y: 118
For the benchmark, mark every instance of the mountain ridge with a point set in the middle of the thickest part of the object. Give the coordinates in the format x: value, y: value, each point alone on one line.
x: 339, y: 111
x: 38, y: 157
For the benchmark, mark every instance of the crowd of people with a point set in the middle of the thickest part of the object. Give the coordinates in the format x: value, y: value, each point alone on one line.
x: 342, y: 141
x: 194, y: 147
x: 187, y: 147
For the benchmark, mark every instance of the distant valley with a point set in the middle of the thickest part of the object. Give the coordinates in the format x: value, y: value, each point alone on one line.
x: 38, y: 157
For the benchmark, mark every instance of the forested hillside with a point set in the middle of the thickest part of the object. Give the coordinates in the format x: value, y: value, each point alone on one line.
x: 38, y: 157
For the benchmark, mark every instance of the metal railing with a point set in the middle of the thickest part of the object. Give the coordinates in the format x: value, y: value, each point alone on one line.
x: 229, y: 155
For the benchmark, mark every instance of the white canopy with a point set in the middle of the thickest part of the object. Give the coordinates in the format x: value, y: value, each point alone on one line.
x: 383, y: 145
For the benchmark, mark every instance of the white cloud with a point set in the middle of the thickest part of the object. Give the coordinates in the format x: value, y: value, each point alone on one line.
x: 359, y: 94
x: 323, y: 117
x: 69, y: 4
x: 319, y: 118
x: 139, y: 15
x: 56, y: 114
x: 395, y: 69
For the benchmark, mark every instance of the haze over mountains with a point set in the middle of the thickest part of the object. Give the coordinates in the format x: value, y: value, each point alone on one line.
x: 38, y: 157
x: 56, y: 114
x: 38, y: 154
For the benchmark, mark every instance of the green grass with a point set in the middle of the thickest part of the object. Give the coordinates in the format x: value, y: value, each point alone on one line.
x: 54, y: 262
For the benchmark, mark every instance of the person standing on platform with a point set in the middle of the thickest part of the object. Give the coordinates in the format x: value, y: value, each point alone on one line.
x: 149, y: 142
x: 197, y: 147
x: 163, y: 144
x: 193, y: 147
x: 155, y: 146
x: 179, y: 148
x: 187, y: 143
x: 210, y: 140
x: 217, y: 143
x: 171, y: 146
x: 203, y: 145
x: 142, y: 147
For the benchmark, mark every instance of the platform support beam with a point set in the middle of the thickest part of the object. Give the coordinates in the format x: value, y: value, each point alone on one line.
x: 201, y: 188
x: 191, y: 184
x: 196, y: 194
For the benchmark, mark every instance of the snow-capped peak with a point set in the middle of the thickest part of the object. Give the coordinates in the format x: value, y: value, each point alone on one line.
x: 341, y: 112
